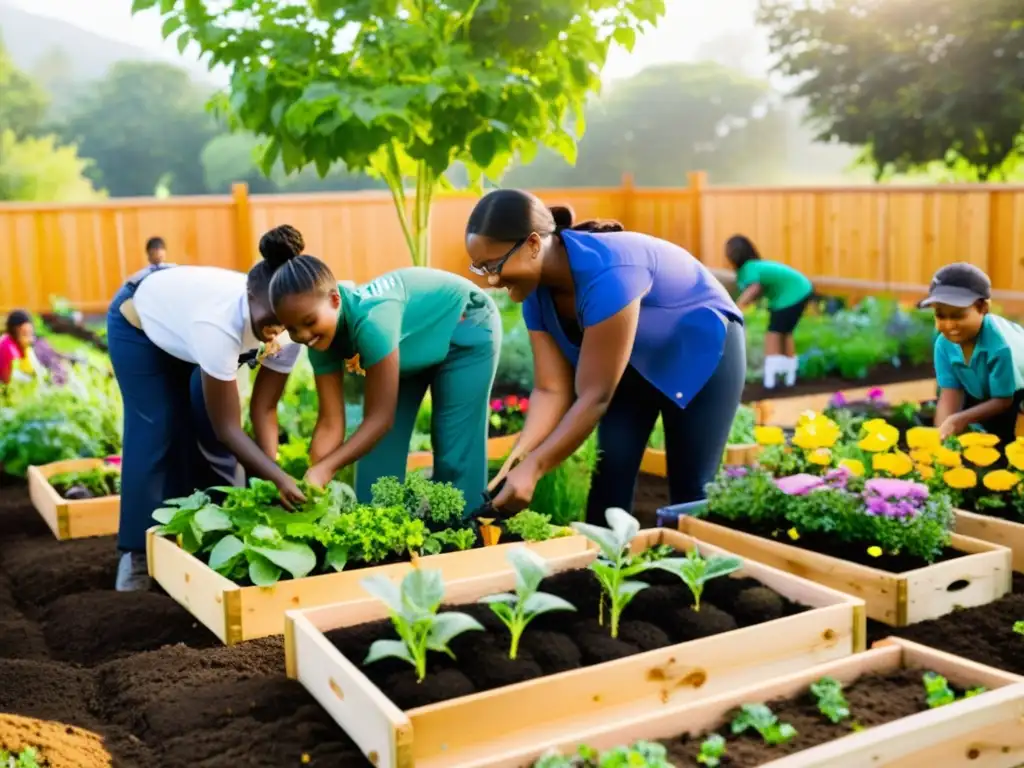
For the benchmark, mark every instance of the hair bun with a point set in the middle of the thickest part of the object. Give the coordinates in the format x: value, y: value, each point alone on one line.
x: 563, y: 216
x: 281, y: 244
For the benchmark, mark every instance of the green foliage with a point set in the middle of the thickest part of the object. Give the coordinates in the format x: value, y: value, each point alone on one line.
x: 761, y: 719
x: 643, y: 754
x: 562, y: 493
x: 915, y: 83
x: 105, y: 481
x: 1018, y: 627
x: 742, y: 431
x: 413, y: 608
x: 712, y: 750
x: 517, y: 610
x: 459, y: 540
x: 696, y: 570
x: 828, y: 694
x: 534, y: 526
x: 26, y: 758
x: 938, y: 693
x: 415, y: 86
x: 24, y: 103
x: 439, y: 505
x: 36, y: 169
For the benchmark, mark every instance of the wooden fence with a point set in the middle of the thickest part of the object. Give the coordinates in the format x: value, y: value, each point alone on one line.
x: 849, y: 240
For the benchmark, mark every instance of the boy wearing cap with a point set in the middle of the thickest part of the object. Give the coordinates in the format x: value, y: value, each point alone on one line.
x: 979, y: 357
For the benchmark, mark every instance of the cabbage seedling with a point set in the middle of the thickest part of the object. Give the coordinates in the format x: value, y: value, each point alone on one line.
x: 696, y: 571
x: 413, y: 608
x: 762, y: 720
x: 519, y: 609
x: 828, y: 692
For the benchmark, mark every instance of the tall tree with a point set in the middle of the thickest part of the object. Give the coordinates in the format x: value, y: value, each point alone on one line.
x: 22, y: 102
x: 144, y: 123
x: 404, y: 88
x: 35, y: 169
x: 913, y: 82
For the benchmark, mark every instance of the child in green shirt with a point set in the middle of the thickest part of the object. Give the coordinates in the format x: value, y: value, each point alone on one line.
x: 787, y: 293
x: 405, y: 331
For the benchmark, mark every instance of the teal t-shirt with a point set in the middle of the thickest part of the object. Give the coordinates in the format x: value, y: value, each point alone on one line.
x: 781, y: 285
x: 414, y: 310
x: 996, y: 368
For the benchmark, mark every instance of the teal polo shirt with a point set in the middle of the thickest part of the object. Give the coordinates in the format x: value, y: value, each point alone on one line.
x: 997, y: 364
x: 781, y: 285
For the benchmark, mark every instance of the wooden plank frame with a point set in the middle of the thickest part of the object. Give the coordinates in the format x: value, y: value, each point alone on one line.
x: 497, y: 448
x: 654, y: 463
x: 983, y: 575
x: 457, y: 731
x: 984, y: 731
x: 235, y: 613
x: 994, y: 530
x: 72, y: 519
x: 784, y: 411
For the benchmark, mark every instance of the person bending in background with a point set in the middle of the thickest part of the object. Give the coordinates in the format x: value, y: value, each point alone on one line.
x: 787, y: 293
x: 979, y: 356
x: 623, y: 327
x: 412, y: 329
x: 156, y: 251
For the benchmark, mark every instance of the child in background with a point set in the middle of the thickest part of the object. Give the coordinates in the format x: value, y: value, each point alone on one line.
x: 787, y: 293
x: 17, y: 360
x: 156, y: 251
x: 979, y: 357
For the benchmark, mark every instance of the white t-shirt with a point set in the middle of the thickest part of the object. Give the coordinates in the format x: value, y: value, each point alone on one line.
x: 201, y: 315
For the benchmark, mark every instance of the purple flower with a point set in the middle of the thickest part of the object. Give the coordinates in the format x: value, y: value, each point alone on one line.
x: 893, y: 489
x: 799, y: 485
x: 838, y: 400
x: 735, y: 472
x: 838, y: 477
x: 876, y: 394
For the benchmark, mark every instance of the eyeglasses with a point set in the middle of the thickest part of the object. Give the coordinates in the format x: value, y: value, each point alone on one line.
x: 495, y: 267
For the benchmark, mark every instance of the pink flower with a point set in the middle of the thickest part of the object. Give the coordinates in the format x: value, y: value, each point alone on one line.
x: 496, y: 404
x: 876, y: 394
x: 891, y: 488
x: 798, y: 485
x: 524, y: 404
x: 838, y: 400
x: 114, y: 461
x: 511, y: 401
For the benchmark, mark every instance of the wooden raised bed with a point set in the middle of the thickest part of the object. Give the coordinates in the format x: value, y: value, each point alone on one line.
x: 235, y: 613
x: 985, y: 730
x: 994, y: 530
x: 981, y: 576
x: 497, y: 448
x: 72, y: 519
x: 654, y: 463
x: 490, y: 723
x: 784, y: 411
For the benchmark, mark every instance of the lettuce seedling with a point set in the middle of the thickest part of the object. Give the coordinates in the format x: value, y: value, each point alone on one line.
x: 643, y: 754
x: 519, y: 609
x: 459, y: 539
x: 615, y: 565
x: 712, y: 750
x: 831, y: 703
x: 1018, y: 627
x: 696, y: 571
x: 413, y: 608
x: 938, y: 693
x: 534, y: 526
x: 27, y: 758
x: 761, y: 719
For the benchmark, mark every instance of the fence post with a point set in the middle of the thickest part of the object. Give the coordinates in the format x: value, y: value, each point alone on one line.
x: 696, y: 181
x: 244, y: 250
x: 628, y: 201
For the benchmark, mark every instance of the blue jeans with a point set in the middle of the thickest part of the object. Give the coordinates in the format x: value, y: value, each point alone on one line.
x: 170, y: 448
x: 695, y: 436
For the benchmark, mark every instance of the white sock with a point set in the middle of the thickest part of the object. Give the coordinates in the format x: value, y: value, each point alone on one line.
x: 792, y: 363
x: 774, y: 368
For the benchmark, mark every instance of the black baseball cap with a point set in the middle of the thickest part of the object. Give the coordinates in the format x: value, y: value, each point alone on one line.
x: 958, y: 285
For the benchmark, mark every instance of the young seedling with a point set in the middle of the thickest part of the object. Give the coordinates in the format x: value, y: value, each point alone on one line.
x: 712, y: 750
x: 696, y: 571
x: 413, y: 608
x: 615, y: 565
x: 761, y: 719
x: 831, y: 703
x: 519, y: 609
x: 939, y: 694
x: 643, y: 754
x: 1018, y: 627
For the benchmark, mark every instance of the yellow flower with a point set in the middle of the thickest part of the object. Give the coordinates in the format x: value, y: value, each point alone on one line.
x: 1015, y: 453
x: 820, y: 456
x: 876, y: 425
x: 896, y: 464
x: 816, y: 432
x: 807, y: 416
x: 946, y: 457
x: 925, y: 471
x: 793, y: 533
x: 922, y: 455
x: 960, y: 478
x: 769, y: 435
x: 981, y: 456
x: 875, y: 551
x: 978, y: 440
x: 923, y: 437
x: 879, y: 440
x: 855, y: 466
x: 1000, y: 480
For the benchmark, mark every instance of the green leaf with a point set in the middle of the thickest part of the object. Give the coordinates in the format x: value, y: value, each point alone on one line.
x: 293, y: 556
x: 500, y: 598
x: 605, y: 539
x: 171, y: 25
x: 422, y: 591
x: 483, y: 147
x: 542, y: 602
x: 212, y: 518
x: 225, y: 552
x: 385, y: 590
x: 387, y: 649
x: 142, y: 5
x: 448, y: 626
x: 625, y: 36
x: 337, y: 557
x: 262, y: 572
x: 164, y: 515
x: 270, y: 154
x: 530, y: 568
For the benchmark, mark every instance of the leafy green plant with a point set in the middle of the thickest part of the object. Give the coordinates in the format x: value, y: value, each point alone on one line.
x: 712, y: 750
x: 533, y: 526
x: 517, y: 610
x: 1018, y: 627
x: 266, y: 552
x: 105, y: 481
x: 562, y: 493
x: 413, y: 608
x: 643, y: 754
x: 696, y: 570
x: 828, y: 693
x: 742, y: 430
x: 439, y: 505
x: 761, y: 719
x: 938, y: 693
x: 458, y: 539
x: 26, y: 758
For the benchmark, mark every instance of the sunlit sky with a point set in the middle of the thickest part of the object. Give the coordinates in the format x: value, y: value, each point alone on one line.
x: 687, y: 24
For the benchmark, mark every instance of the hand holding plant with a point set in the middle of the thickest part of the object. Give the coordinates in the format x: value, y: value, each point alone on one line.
x: 519, y: 609
x: 413, y: 607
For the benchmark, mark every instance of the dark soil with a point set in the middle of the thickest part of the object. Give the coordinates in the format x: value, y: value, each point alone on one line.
x: 880, y: 376
x: 874, y: 700
x: 657, y: 617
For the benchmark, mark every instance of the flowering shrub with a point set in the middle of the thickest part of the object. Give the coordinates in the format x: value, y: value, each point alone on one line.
x: 508, y: 414
x: 884, y: 515
x: 975, y: 473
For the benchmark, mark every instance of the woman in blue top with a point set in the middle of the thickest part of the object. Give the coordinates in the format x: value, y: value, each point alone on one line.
x: 624, y: 327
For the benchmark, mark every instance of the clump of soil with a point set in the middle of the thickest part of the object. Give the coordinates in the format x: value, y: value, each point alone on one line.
x: 21, y: 638
x: 874, y: 700
x: 658, y: 617
x: 46, y: 690
x: 44, y: 570
x: 756, y: 606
